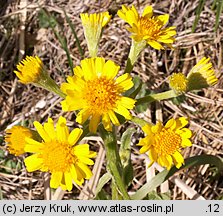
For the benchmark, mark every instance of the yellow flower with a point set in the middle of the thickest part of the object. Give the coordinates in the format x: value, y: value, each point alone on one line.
x: 31, y: 70
x: 95, y: 91
x: 178, y: 82
x: 15, y: 138
x: 164, y: 143
x: 148, y: 27
x: 201, y: 75
x: 93, y: 24
x: 59, y: 154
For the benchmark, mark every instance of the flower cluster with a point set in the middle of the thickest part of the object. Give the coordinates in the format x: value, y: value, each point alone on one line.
x: 100, y: 97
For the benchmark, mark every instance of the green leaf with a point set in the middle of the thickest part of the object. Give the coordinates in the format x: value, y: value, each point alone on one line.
x: 139, y: 121
x: 120, y: 118
x: 197, y: 161
x: 102, y: 181
x: 116, y: 195
x: 102, y: 195
x: 10, y: 165
x: 2, y: 154
x: 45, y: 21
x: 153, y: 196
x: 1, y: 140
x: 142, y: 93
x: 166, y: 196
x: 179, y: 99
x: 157, y: 196
x: 132, y: 93
x: 150, y: 186
x: 165, y: 174
x: 216, y: 3
x: 213, y: 4
x: 125, y: 155
x: 219, y: 6
x: 198, y: 13
x: 126, y: 140
x: 113, y: 160
x: 128, y: 173
x: 220, y: 197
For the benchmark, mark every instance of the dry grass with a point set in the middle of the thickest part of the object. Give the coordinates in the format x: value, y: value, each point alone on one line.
x: 21, y: 33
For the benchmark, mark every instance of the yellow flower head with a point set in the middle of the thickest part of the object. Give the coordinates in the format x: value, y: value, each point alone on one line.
x: 15, y: 138
x: 30, y: 70
x: 201, y: 75
x: 148, y: 27
x: 93, y: 24
x: 178, y: 82
x: 163, y: 143
x: 95, y: 91
x: 59, y: 154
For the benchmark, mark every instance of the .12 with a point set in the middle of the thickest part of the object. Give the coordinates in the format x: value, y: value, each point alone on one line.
x: 213, y: 207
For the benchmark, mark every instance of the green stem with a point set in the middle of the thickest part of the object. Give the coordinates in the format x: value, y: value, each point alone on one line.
x: 157, y: 97
x: 115, y: 194
x: 114, y: 162
x: 49, y: 84
x: 56, y: 89
x: 139, y: 121
x: 135, y: 50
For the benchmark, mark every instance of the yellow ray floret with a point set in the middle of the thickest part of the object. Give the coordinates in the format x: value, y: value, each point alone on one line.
x: 148, y: 27
x: 164, y: 143
x: 202, y: 75
x: 96, y: 92
x: 15, y: 138
x: 95, y: 19
x: 59, y: 154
